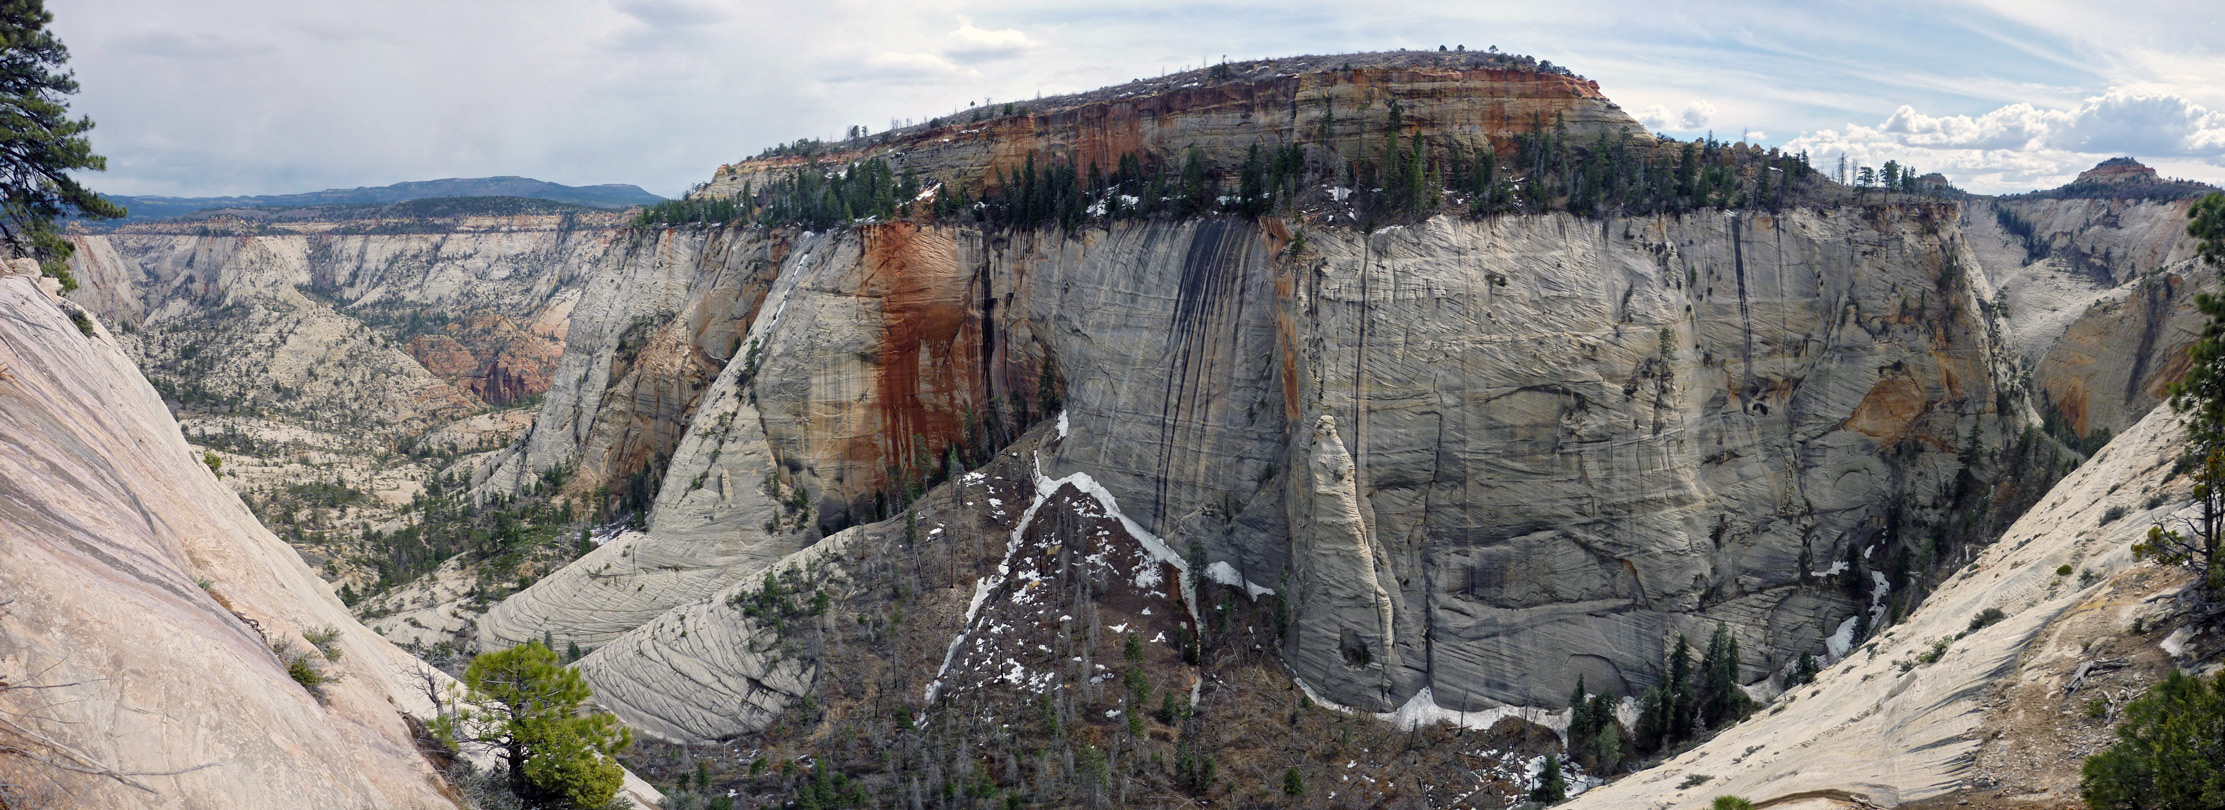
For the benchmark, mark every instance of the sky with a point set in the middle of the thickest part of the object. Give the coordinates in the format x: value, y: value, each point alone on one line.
x: 218, y: 97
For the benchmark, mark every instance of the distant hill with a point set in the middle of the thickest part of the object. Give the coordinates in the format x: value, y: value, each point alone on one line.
x: 2123, y: 178
x: 609, y: 195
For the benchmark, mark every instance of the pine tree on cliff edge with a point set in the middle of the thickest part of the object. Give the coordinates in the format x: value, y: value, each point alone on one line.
x: 2200, y: 400
x: 39, y: 143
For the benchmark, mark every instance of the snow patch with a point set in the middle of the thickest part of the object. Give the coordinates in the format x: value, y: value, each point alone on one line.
x: 1225, y: 574
x: 1840, y: 641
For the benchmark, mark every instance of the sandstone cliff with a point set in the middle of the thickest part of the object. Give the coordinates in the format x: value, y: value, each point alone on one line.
x: 140, y: 602
x: 1654, y: 424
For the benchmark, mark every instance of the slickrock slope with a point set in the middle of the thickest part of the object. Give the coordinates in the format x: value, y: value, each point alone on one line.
x: 108, y: 525
x: 1465, y: 101
x: 1884, y: 727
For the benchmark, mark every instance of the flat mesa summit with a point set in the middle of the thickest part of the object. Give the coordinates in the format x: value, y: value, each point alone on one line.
x: 1141, y: 445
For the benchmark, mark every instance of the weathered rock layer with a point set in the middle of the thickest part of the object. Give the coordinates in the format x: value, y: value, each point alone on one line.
x: 1568, y: 439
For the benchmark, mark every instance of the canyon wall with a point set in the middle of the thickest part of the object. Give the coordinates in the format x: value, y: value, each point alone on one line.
x: 1485, y: 457
x: 2102, y: 298
x: 349, y: 351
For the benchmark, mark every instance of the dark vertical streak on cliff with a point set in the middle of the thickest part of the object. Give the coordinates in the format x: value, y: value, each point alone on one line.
x: 1745, y: 314
x: 1210, y: 268
x: 986, y: 297
x: 1359, y: 366
x: 2151, y: 326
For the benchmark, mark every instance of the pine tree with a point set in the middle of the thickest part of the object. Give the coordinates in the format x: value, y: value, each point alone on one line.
x: 1722, y: 703
x: 1552, y: 785
x: 1679, y: 702
x: 43, y: 143
x: 1579, y: 712
x: 2200, y: 400
x: 1196, y: 197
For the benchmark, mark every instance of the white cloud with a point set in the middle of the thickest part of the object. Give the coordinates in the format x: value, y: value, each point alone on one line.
x: 971, y: 45
x: 2020, y: 146
x: 1694, y: 116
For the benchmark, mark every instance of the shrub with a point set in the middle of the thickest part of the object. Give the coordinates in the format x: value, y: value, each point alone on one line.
x: 2062, y: 570
x: 326, y: 640
x: 1732, y: 803
x: 2112, y: 514
x: 1989, y: 616
x: 84, y: 322
x: 2169, y: 754
x: 1693, y: 781
x: 307, y: 667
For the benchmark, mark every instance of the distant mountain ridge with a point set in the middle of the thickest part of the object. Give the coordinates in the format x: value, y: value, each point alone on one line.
x: 608, y: 195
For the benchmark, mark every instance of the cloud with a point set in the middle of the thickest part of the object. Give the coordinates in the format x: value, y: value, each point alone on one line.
x: 178, y: 45
x: 2021, y: 146
x: 1694, y: 116
x: 2147, y: 123
x: 672, y: 13
x: 969, y: 45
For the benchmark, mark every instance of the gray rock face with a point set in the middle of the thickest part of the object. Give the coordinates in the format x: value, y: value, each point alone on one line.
x: 655, y: 323
x: 719, y: 515
x: 1580, y: 438
x: 1569, y: 439
x: 1342, y: 604
x: 2100, y: 301
x: 1901, y: 722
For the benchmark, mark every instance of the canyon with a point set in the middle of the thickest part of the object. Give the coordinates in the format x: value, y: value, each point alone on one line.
x: 1437, y: 467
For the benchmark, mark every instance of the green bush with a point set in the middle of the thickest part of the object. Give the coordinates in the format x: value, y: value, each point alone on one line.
x: 1986, y: 617
x: 307, y: 667
x: 1732, y: 803
x: 2169, y: 754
